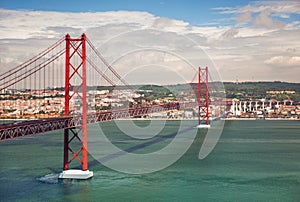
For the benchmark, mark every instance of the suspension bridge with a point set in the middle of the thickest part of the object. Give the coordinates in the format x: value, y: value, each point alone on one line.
x: 74, y: 64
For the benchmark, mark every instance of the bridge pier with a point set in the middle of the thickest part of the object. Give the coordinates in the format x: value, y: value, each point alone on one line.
x: 76, y: 174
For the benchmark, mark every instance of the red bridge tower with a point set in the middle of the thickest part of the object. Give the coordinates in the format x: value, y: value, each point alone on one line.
x: 203, y: 98
x: 75, y: 86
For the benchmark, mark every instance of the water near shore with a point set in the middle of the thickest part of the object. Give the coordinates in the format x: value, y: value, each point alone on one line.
x: 253, y: 161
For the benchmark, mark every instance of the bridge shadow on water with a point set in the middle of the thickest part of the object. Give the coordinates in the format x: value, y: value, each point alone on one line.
x: 140, y: 146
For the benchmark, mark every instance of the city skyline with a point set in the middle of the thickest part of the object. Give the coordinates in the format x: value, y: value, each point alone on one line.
x: 242, y: 40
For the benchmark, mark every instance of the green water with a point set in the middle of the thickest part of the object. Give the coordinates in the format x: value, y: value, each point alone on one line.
x: 253, y: 161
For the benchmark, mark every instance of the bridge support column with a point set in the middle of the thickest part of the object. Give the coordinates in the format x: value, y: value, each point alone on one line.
x: 203, y: 108
x: 75, y: 86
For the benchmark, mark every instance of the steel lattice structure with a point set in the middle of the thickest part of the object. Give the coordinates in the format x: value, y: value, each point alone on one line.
x: 34, y: 127
x: 203, y: 95
x: 75, y: 84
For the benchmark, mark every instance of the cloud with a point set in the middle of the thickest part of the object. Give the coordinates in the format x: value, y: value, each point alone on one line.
x: 264, y: 19
x: 277, y: 7
x: 229, y: 34
x: 162, y: 23
x: 27, y: 24
x: 244, y: 17
x: 263, y: 13
x: 284, y: 61
x: 125, y: 39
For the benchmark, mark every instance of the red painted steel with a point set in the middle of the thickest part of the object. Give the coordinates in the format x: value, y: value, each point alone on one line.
x: 108, y: 66
x: 199, y: 95
x: 67, y: 99
x: 76, y: 70
x: 75, y: 126
x: 8, y: 79
x: 206, y: 95
x: 84, y: 107
x: 203, y: 107
x: 33, y: 127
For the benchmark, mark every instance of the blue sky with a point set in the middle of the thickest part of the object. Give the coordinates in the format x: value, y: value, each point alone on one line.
x: 245, y: 40
x: 192, y: 11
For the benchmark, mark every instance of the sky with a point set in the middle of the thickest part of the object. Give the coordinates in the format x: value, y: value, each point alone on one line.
x: 154, y: 41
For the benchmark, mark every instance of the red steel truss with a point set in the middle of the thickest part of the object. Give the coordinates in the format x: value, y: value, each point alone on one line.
x: 34, y: 127
x: 75, y: 126
x: 75, y: 85
x: 203, y: 97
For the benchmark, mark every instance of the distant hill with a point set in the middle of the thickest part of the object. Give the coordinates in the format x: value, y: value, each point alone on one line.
x: 251, y: 90
x: 241, y: 90
x: 256, y: 90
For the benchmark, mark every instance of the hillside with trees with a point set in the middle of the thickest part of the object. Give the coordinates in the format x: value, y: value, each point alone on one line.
x: 250, y: 90
x: 257, y: 90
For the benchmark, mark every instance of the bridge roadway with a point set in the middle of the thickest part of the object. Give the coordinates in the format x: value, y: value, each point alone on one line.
x: 32, y: 127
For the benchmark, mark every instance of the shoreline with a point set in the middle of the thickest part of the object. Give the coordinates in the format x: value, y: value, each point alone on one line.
x: 253, y: 119
x: 223, y: 119
x: 181, y: 119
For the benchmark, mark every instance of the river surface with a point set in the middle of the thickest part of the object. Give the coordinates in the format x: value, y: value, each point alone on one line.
x: 255, y: 160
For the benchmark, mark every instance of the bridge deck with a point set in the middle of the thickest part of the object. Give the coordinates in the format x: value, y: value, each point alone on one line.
x: 33, y: 127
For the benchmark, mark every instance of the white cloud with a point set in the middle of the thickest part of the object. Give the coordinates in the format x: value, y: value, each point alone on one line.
x: 169, y: 24
x: 284, y: 61
x: 244, y: 17
x: 277, y: 7
x: 229, y: 34
x: 253, y: 32
x: 264, y: 20
x: 284, y: 16
x: 262, y: 13
x: 27, y: 24
x: 238, y: 51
